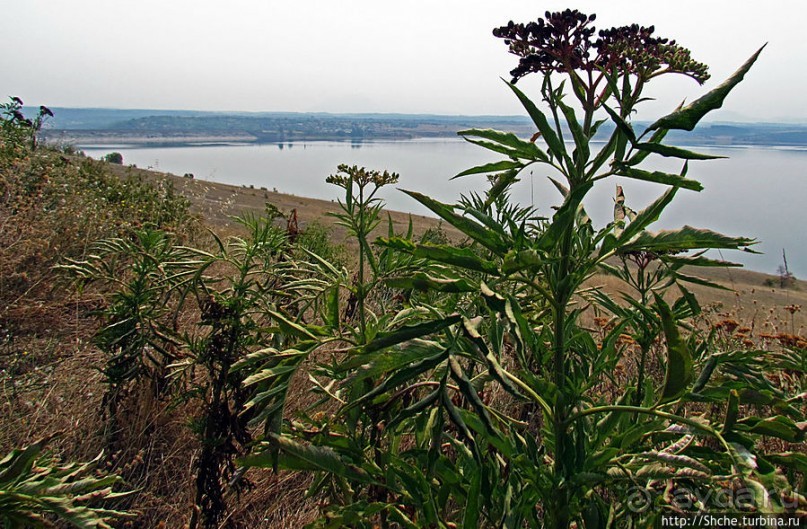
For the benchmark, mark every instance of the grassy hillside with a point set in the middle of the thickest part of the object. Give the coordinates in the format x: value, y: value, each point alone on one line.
x: 218, y: 203
x: 54, y: 206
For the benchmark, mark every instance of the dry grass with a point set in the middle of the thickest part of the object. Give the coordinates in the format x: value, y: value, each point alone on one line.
x: 762, y: 308
x: 748, y: 300
x: 49, y: 382
x: 219, y: 203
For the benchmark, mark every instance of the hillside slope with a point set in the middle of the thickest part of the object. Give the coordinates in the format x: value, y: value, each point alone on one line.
x: 54, y: 206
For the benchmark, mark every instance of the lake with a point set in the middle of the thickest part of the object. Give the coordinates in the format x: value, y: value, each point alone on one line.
x: 758, y: 192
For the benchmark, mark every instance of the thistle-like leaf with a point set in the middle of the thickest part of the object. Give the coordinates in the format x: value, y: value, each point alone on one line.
x: 489, y: 239
x: 675, y: 152
x: 679, y: 374
x: 547, y: 132
x: 658, y: 177
x: 686, y: 238
x: 404, y: 334
x: 297, y: 456
x: 687, y: 117
x: 493, y: 167
x: 423, y: 281
x: 514, y: 146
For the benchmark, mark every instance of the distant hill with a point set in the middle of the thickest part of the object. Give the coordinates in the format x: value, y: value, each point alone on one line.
x: 102, y: 118
x: 744, y: 134
x: 112, y: 118
x: 85, y: 125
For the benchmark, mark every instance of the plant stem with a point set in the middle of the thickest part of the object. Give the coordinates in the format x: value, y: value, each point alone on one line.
x: 645, y: 343
x: 360, y: 287
x: 562, y: 467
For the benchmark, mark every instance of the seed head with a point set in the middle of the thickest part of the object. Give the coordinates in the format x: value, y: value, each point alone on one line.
x: 348, y: 175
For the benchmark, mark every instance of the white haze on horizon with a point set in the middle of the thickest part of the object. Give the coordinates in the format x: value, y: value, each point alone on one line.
x: 365, y: 55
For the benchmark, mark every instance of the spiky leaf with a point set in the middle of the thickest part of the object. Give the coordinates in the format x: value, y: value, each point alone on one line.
x: 687, y: 118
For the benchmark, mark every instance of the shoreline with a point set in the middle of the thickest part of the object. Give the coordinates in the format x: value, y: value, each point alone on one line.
x: 99, y: 139
x: 218, y: 202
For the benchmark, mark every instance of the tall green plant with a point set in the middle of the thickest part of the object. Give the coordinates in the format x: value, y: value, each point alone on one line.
x: 330, y: 320
x: 239, y: 288
x: 489, y: 402
x: 607, y: 75
x: 360, y: 215
x: 138, y: 334
x: 237, y: 291
x: 501, y: 408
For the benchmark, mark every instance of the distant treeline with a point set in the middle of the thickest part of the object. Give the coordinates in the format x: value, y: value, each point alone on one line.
x: 153, y: 125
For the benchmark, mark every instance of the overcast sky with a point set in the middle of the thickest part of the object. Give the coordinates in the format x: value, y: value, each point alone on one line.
x: 418, y: 56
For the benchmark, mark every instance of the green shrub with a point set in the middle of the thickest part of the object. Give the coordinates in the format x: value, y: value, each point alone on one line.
x: 114, y: 157
x: 17, y: 132
x: 317, y: 238
x: 52, y: 208
x: 145, y: 272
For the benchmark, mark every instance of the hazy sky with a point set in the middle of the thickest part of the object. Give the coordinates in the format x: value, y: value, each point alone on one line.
x: 418, y: 56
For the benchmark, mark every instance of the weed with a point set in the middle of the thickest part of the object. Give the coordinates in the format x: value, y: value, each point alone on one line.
x: 36, y: 488
x: 488, y: 402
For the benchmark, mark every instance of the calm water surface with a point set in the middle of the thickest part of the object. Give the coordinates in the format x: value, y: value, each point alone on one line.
x: 759, y: 192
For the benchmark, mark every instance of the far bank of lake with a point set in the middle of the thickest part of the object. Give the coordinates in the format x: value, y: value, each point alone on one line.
x: 758, y: 191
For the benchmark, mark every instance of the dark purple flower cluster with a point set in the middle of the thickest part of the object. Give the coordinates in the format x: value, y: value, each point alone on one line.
x: 560, y: 43
x: 564, y: 42
x: 634, y: 49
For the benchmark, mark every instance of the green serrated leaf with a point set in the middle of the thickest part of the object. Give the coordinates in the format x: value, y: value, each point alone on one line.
x: 297, y: 456
x: 462, y: 257
x: 679, y: 374
x: 423, y: 281
x: 291, y: 327
x: 493, y: 167
x: 658, y: 177
x: 487, y: 238
x: 404, y: 334
x: 622, y: 125
x: 581, y: 140
x: 639, y: 156
x: 687, y: 118
x: 547, y: 132
x: 778, y: 426
x: 686, y: 238
x: 514, y: 146
x: 675, y: 152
